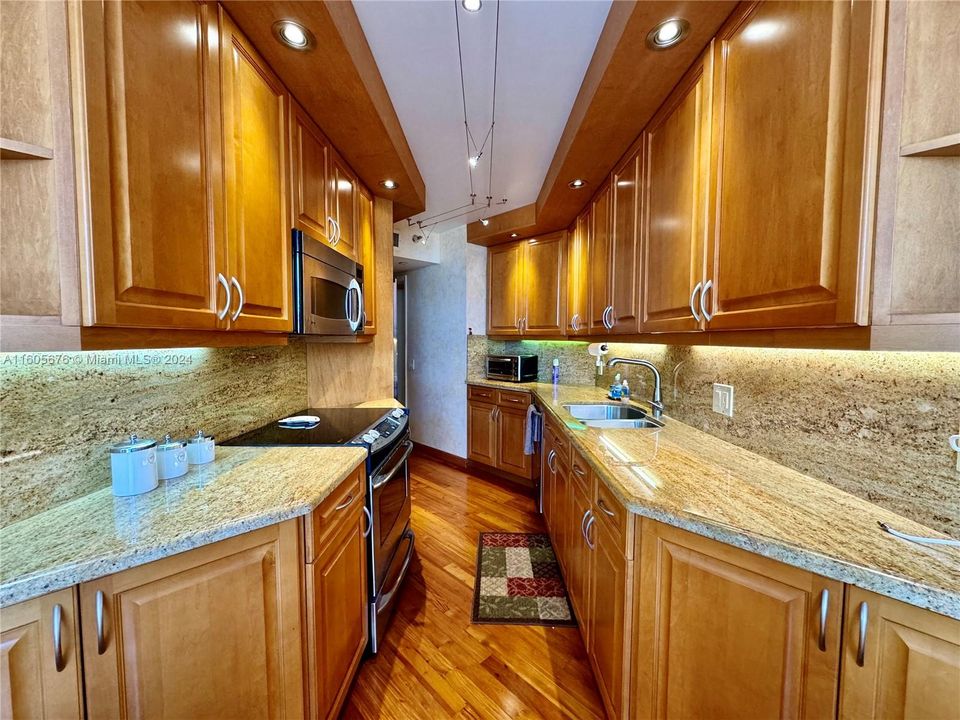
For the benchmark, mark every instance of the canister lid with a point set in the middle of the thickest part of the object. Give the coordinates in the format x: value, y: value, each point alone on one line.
x: 170, y: 444
x: 133, y: 444
x: 200, y: 438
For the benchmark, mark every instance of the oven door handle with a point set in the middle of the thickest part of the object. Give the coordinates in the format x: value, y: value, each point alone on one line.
x: 382, y: 480
x: 386, y: 597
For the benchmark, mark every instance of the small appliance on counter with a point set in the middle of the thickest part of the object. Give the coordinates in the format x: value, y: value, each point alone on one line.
x: 512, y: 368
x: 201, y: 449
x: 171, y: 458
x: 133, y: 466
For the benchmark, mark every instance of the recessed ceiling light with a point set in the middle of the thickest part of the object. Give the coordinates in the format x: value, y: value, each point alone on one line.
x: 471, y: 5
x: 293, y: 35
x: 577, y: 183
x: 513, y: 235
x: 667, y: 34
x: 484, y: 222
x: 389, y: 184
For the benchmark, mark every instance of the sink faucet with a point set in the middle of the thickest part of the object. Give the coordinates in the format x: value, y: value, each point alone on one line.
x: 657, y: 402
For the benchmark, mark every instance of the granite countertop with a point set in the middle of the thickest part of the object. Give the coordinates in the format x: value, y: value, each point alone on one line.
x: 242, y: 490
x: 687, y: 478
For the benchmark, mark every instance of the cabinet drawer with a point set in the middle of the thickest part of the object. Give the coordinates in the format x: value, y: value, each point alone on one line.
x: 614, y: 517
x: 514, y: 398
x: 340, y: 508
x: 486, y: 394
x: 580, y: 473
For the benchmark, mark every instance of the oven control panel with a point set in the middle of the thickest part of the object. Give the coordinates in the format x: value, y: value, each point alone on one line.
x: 382, y: 433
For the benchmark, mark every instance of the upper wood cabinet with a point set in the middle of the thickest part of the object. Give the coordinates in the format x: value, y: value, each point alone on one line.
x: 625, y: 261
x: 899, y: 661
x: 341, y: 201
x: 792, y: 229
x: 150, y: 175
x: 310, y: 153
x: 527, y: 287
x: 213, y: 632
x: 255, y: 121
x: 674, y: 216
x: 718, y: 627
x: 598, y: 256
x: 367, y: 256
x: 41, y: 676
x: 578, y: 280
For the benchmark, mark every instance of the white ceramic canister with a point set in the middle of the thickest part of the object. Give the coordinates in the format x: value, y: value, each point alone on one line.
x: 171, y: 458
x: 201, y: 449
x: 133, y: 466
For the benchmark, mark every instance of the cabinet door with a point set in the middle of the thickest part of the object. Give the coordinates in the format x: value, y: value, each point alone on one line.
x: 625, y: 265
x: 310, y: 150
x: 911, y: 660
x: 611, y: 593
x: 504, y: 289
x: 722, y: 632
x: 213, y: 632
x: 511, y: 423
x: 578, y: 282
x: 544, y: 285
x: 675, y: 217
x: 562, y: 503
x: 367, y: 252
x: 598, y: 254
x: 258, y: 222
x: 579, y: 557
x: 790, y: 246
x: 342, y: 199
x: 152, y: 147
x: 34, y: 684
x: 337, y: 619
x: 482, y: 433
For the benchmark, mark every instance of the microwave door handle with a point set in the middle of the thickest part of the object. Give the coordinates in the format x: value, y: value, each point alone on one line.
x: 382, y: 480
x: 354, y: 287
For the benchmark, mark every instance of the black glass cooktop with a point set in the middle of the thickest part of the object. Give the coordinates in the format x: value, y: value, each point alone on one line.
x: 337, y: 426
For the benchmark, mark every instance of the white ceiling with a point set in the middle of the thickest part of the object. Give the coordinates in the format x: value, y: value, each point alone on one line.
x: 545, y: 48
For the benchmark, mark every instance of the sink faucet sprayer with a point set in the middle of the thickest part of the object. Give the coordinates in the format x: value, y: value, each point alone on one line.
x: 657, y: 402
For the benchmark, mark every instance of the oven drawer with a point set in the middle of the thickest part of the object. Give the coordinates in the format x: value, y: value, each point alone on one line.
x: 339, y: 508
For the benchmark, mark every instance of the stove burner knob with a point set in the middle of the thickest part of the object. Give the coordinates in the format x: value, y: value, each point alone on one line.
x: 374, y: 433
x: 398, y: 413
x: 367, y: 438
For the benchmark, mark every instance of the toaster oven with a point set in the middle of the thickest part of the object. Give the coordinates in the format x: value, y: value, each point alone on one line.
x: 513, y: 368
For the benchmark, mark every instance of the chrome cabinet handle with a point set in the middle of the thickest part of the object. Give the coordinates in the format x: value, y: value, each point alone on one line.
x: 336, y: 233
x: 578, y: 471
x: 583, y: 520
x: 703, y: 301
x: 824, y: 605
x: 586, y: 532
x: 551, y: 456
x: 346, y: 503
x: 240, y: 301
x: 221, y: 314
x: 693, y: 302
x: 57, y: 646
x: 573, y: 322
x: 369, y: 516
x: 332, y: 225
x: 602, y: 505
x: 101, y: 641
x: 862, y: 644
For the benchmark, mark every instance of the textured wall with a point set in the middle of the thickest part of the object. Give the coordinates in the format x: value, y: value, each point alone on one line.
x: 872, y: 423
x: 59, y: 412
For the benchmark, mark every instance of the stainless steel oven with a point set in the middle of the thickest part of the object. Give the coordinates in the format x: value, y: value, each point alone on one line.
x: 327, y: 290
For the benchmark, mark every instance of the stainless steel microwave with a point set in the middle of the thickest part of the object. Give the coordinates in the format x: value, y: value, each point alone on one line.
x: 327, y: 289
x: 515, y: 368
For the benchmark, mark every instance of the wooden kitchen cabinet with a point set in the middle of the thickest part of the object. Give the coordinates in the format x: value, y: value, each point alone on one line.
x: 367, y: 256
x: 496, y: 420
x: 677, y: 142
x: 310, y: 152
x: 504, y: 289
x: 579, y: 557
x: 625, y: 260
x: 910, y: 664
x: 722, y: 632
x: 578, y: 281
x: 36, y: 682
x: 255, y: 107
x: 482, y: 432
x: 149, y: 170
x: 791, y: 233
x: 342, y: 204
x: 211, y: 632
x: 511, y: 422
x: 527, y: 287
x: 598, y: 254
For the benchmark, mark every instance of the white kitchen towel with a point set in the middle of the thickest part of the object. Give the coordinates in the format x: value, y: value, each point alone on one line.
x: 532, y: 429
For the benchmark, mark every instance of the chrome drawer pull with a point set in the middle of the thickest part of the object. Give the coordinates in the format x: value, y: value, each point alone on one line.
x: 603, y: 506
x: 346, y: 503
x: 824, y: 605
x: 57, y: 645
x: 551, y: 456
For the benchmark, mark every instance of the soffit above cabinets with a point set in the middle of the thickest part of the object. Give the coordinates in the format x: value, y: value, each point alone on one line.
x: 624, y: 85
x: 338, y: 83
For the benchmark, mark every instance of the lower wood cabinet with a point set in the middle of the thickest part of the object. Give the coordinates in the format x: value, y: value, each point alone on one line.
x: 40, y: 658
x: 899, y: 661
x: 496, y: 422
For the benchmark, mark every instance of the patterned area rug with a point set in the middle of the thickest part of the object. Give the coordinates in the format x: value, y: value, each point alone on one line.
x: 519, y: 582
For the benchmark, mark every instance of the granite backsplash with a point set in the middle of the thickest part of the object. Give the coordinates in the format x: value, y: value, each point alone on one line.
x: 874, y: 424
x: 59, y: 412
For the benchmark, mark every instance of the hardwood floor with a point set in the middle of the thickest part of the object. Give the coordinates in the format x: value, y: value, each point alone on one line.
x: 434, y: 662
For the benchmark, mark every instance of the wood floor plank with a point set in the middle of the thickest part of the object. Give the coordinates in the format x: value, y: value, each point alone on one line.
x: 434, y: 663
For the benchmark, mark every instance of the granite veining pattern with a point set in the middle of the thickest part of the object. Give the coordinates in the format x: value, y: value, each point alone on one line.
x: 98, y: 534
x: 685, y: 477
x: 872, y: 423
x: 59, y: 412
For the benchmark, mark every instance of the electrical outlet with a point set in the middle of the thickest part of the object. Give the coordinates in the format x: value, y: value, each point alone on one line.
x: 723, y: 399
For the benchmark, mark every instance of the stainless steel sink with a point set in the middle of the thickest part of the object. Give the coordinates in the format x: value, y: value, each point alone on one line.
x: 608, y: 415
